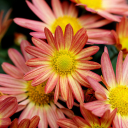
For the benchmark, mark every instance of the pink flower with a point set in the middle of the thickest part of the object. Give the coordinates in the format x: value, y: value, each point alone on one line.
x: 32, y: 100
x: 8, y: 106
x: 63, y: 63
x: 63, y: 14
x: 89, y: 121
x: 25, y: 123
x: 105, y: 8
x: 4, y: 23
x: 116, y: 94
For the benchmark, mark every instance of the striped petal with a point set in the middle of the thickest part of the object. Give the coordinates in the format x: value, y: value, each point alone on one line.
x: 59, y: 39
x: 18, y: 60
x: 57, y: 8
x: 42, y: 77
x: 119, y: 68
x: 66, y: 123
x: 76, y: 89
x: 43, y: 118
x: 51, y: 83
x: 5, y: 122
x: 68, y: 36
x: 45, y: 10
x: 12, y: 70
x: 35, y: 51
x: 47, y: 49
x: 9, y: 81
x: 64, y: 87
x: 24, y: 123
x: 34, y: 122
x: 107, y: 70
x: 86, y: 52
x: 50, y: 38
x: 56, y: 94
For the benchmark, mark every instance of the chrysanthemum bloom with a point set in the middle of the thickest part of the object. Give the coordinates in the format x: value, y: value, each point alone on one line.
x: 4, y: 23
x: 26, y: 123
x: 89, y: 121
x: 116, y: 94
x: 33, y: 100
x: 63, y: 14
x: 63, y: 63
x: 121, y: 36
x: 8, y: 107
x: 105, y: 8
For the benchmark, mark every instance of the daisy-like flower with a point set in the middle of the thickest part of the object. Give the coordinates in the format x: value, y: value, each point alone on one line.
x: 25, y: 123
x: 4, y: 23
x: 32, y: 100
x: 63, y: 63
x: 105, y: 8
x: 116, y: 94
x: 121, y: 36
x: 89, y: 121
x: 63, y: 14
x: 8, y: 106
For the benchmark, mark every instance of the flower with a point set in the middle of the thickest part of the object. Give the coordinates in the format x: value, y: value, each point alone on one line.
x: 8, y: 106
x: 89, y: 121
x: 26, y: 123
x: 32, y: 100
x: 63, y: 14
x: 105, y: 8
x: 62, y: 62
x: 4, y: 23
x: 121, y: 36
x: 116, y: 94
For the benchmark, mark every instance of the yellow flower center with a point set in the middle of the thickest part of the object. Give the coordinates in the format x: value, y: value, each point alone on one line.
x: 124, y: 42
x: 94, y: 4
x: 63, y: 62
x: 37, y: 95
x: 118, y: 98
x: 96, y: 126
x: 63, y: 21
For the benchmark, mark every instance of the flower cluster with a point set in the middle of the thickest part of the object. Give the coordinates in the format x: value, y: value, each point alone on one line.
x: 59, y: 72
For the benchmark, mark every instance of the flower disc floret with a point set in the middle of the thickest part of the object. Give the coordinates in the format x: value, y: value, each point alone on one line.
x: 37, y: 94
x: 63, y: 62
x: 63, y: 21
x: 91, y: 3
x: 118, y: 98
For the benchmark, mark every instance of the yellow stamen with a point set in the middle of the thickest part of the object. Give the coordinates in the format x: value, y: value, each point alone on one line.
x: 37, y: 95
x: 95, y: 125
x: 124, y: 42
x: 118, y: 98
x: 63, y: 62
x: 63, y: 21
x: 94, y: 4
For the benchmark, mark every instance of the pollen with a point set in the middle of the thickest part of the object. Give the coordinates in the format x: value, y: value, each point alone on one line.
x: 63, y: 62
x: 37, y: 94
x: 118, y: 98
x: 124, y: 42
x: 95, y: 4
x: 63, y: 21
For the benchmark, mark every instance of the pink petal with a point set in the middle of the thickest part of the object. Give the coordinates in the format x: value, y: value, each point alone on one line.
x: 47, y: 49
x: 9, y: 81
x: 72, y: 10
x: 5, y: 122
x: 43, y: 123
x: 86, y: 52
x: 51, y: 117
x: 119, y: 68
x: 45, y: 10
x: 76, y: 89
x: 23, y: 45
x: 50, y: 38
x: 40, y: 35
x: 68, y: 36
x: 12, y: 70
x: 56, y: 94
x: 64, y: 87
x: 18, y: 60
x: 57, y: 8
x: 42, y: 77
x: 51, y: 83
x: 107, y: 70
